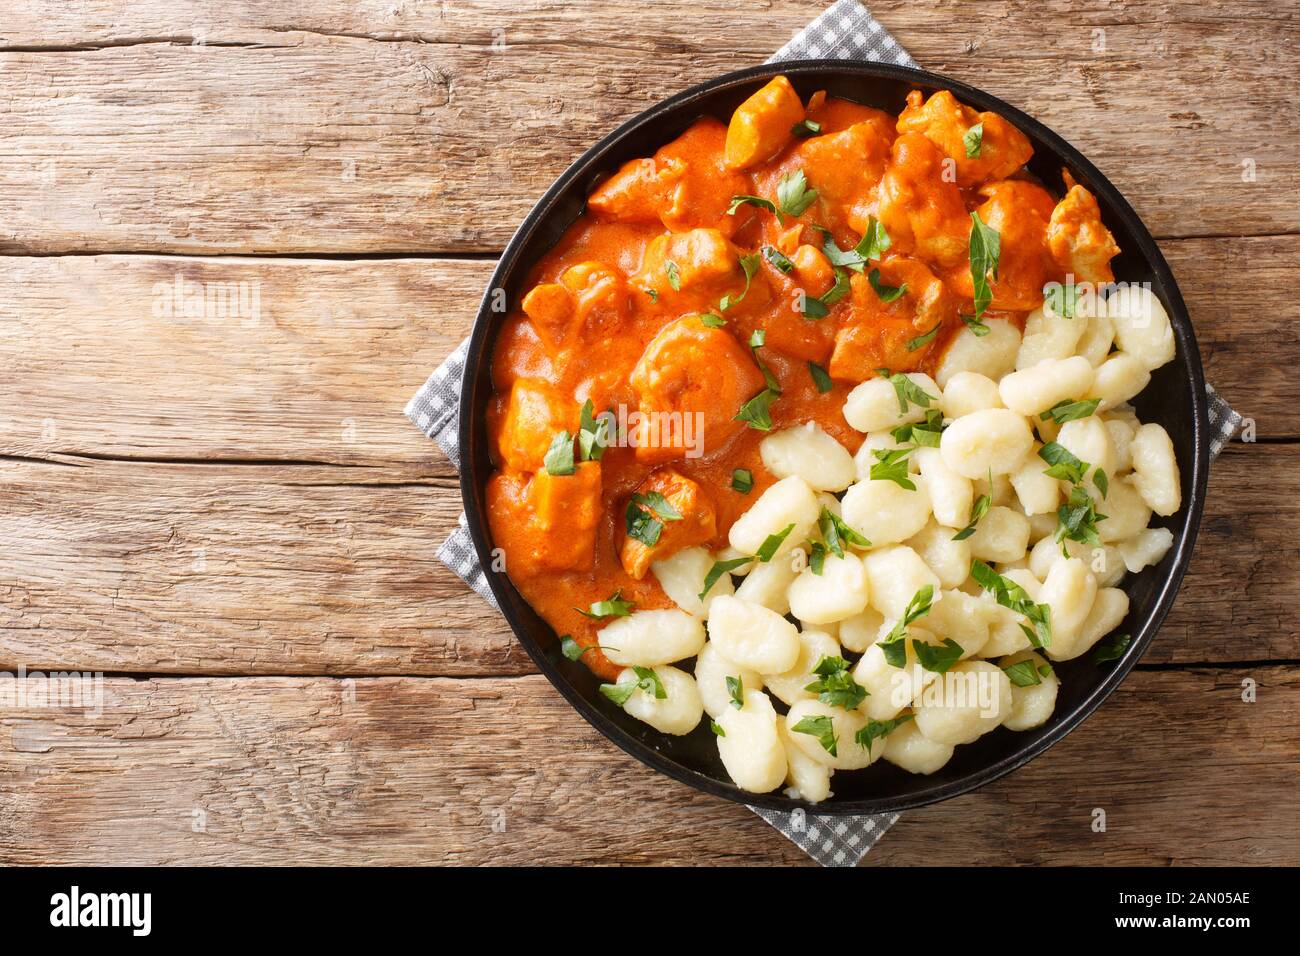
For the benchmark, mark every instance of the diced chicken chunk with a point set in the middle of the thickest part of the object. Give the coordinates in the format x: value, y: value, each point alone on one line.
x: 878, y: 333
x: 763, y: 124
x: 1080, y: 243
x: 1019, y: 211
x: 920, y: 208
x: 697, y: 524
x: 1001, y: 149
x: 534, y: 414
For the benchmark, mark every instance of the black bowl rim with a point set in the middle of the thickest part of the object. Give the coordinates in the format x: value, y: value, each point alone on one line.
x: 1188, y: 351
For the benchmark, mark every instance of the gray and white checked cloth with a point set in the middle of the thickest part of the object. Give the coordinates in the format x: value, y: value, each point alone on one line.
x: 846, y: 31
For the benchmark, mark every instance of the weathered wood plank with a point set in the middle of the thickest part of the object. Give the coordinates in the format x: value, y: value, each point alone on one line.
x: 320, y: 370
x: 270, y: 137
x: 501, y: 771
x: 338, y: 347
x: 217, y: 569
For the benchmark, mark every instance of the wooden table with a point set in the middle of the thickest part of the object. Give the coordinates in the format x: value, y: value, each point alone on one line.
x: 229, y: 516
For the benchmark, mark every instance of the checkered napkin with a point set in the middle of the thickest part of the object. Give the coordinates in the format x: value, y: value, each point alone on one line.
x: 845, y: 31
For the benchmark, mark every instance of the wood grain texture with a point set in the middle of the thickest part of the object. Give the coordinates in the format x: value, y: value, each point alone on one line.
x: 219, y: 569
x: 500, y: 771
x: 335, y: 127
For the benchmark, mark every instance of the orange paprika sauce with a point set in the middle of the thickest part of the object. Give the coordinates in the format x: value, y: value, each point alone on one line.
x: 645, y: 306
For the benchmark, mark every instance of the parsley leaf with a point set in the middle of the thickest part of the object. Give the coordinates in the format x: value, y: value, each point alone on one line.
x: 1023, y: 673
x: 646, y: 680
x: 976, y: 326
x: 780, y: 261
x: 612, y: 606
x: 559, y: 457
x: 973, y: 140
x: 1064, y: 466
x: 979, y: 510
x: 907, y: 391
x: 820, y: 378
x: 712, y: 320
x: 1011, y: 595
x: 835, y: 687
x: 759, y: 201
x: 742, y: 480
x: 793, y: 194
x: 937, y: 657
x: 717, y: 729
x: 757, y: 412
x: 736, y: 691
x: 1067, y: 410
x: 1077, y: 518
x: 835, y: 533
x: 1113, y: 649
x: 593, y: 434
x: 985, y: 251
x: 894, y: 643
x: 767, y: 550
x: 875, y: 729
x: 886, y: 293
x: 674, y: 275
x: 927, y: 433
x: 748, y: 265
x: 571, y: 649
x: 719, y: 569
x: 817, y: 559
x: 805, y: 128
x: 925, y: 339
x: 821, y: 728
x: 892, y: 465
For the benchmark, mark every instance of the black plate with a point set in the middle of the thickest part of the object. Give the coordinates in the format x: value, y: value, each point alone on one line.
x: 1175, y: 398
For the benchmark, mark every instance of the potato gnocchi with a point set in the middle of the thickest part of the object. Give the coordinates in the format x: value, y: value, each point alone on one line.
x: 932, y: 600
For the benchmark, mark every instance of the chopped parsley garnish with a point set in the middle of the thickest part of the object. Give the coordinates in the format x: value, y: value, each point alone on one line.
x: 780, y: 261
x: 749, y: 265
x: 571, y: 649
x: 973, y: 140
x: 1011, y: 595
x: 821, y: 728
x: 820, y: 378
x: 757, y: 412
x: 872, y: 245
x: 717, y: 729
x: 736, y: 691
x: 1062, y: 299
x: 793, y: 193
x: 712, y: 320
x: 593, y: 434
x: 1023, y: 673
x: 907, y: 391
x: 767, y: 550
x: 805, y: 128
x: 985, y: 251
x: 835, y: 687
x: 976, y: 326
x: 836, y: 533
x: 1068, y: 410
x: 674, y: 275
x: 759, y: 201
x: 817, y: 559
x: 892, y: 465
x: 937, y: 657
x: 612, y: 606
x: 894, y: 643
x: 646, y: 680
x: 875, y: 729
x: 559, y: 457
x: 719, y: 569
x: 927, y: 433
x: 923, y: 340
x: 1077, y: 518
x: 977, y: 511
x: 742, y: 480
x: 886, y: 293
x: 1064, y: 466
x: 645, y: 516
x: 1113, y: 649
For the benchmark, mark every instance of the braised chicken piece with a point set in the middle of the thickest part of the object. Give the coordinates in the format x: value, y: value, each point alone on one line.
x: 1080, y: 244
x: 983, y: 147
x: 669, y: 512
